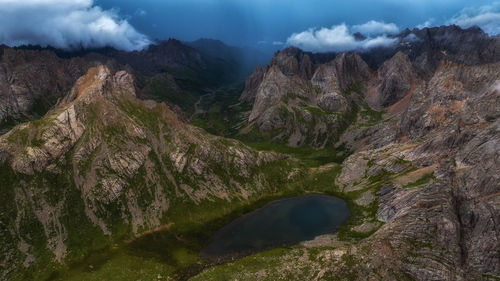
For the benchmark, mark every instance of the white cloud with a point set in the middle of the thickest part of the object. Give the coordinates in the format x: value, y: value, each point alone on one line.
x: 428, y: 23
x: 379, y: 41
x: 376, y: 28
x: 338, y: 38
x: 65, y: 24
x: 487, y: 17
x: 278, y: 43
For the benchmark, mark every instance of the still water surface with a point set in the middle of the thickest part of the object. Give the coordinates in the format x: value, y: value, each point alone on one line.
x: 279, y: 223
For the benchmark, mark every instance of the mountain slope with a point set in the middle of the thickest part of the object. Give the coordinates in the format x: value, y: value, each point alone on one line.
x: 305, y: 99
x: 103, y: 165
x: 32, y: 79
x: 301, y: 103
x: 427, y: 167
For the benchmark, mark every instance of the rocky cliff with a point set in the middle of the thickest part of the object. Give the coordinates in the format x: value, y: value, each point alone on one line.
x: 31, y: 82
x: 440, y: 216
x: 303, y: 99
x: 302, y: 103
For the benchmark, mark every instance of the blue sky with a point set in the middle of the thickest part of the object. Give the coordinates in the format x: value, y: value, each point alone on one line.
x: 317, y: 25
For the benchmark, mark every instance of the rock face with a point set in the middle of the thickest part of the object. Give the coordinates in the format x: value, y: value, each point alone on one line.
x: 32, y: 81
x: 333, y: 102
x: 449, y: 128
x: 303, y: 103
x: 103, y: 158
x: 396, y: 79
x: 298, y: 82
x: 341, y: 73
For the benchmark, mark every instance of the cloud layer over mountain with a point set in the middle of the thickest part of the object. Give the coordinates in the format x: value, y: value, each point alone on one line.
x: 66, y: 24
x: 487, y: 17
x: 376, y: 28
x: 343, y: 38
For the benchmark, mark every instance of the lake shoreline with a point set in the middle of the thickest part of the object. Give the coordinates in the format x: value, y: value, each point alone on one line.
x: 338, y: 207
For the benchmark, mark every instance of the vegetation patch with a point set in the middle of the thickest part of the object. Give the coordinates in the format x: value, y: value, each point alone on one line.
x: 426, y: 178
x: 370, y: 116
x: 308, y: 156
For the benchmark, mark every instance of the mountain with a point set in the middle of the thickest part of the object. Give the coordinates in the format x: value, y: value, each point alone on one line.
x: 102, y: 166
x: 169, y: 71
x: 301, y: 103
x: 427, y: 46
x: 110, y: 182
x: 306, y: 99
x: 425, y: 131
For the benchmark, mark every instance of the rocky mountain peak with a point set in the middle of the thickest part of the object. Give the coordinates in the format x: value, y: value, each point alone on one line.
x: 469, y: 46
x: 396, y: 78
x: 292, y: 51
x: 293, y: 61
x: 451, y: 32
x: 293, y: 89
x: 351, y: 68
x: 99, y: 82
x: 426, y: 47
x: 252, y: 84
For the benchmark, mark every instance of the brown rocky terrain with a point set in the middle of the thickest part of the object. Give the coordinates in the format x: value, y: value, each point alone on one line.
x: 305, y: 99
x: 442, y: 228
x: 430, y: 167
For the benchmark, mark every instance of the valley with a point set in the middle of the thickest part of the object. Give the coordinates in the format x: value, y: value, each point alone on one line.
x: 137, y: 159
